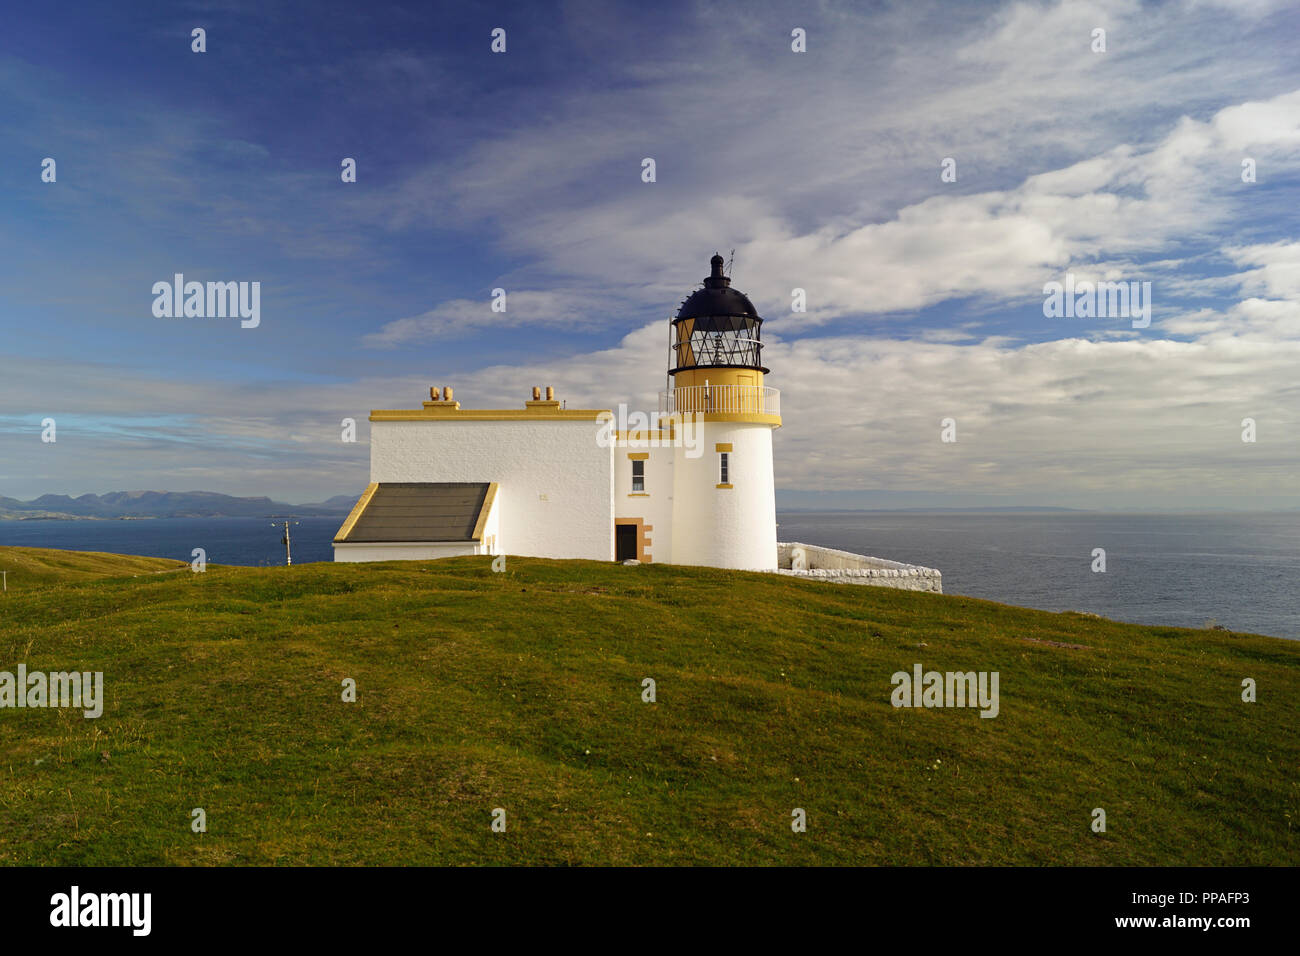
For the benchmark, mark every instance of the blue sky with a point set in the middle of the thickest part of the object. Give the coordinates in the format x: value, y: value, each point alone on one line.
x: 522, y: 171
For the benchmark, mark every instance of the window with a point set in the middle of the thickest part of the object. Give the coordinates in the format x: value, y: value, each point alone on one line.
x: 638, y: 475
x: 724, y: 471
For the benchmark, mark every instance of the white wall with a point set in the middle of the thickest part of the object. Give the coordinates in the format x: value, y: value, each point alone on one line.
x: 845, y: 567
x: 726, y: 527
x: 818, y: 557
x: 405, y: 550
x: 657, y: 508
x: 556, y: 494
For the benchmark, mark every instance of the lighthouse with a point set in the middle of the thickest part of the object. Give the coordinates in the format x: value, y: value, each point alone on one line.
x: 689, y: 485
x: 724, y: 500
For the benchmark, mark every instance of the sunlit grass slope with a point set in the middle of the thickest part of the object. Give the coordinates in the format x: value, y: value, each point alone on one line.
x: 38, y: 567
x: 523, y: 690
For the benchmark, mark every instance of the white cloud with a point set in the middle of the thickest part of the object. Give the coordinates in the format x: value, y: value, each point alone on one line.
x: 461, y: 317
x: 1096, y: 216
x: 823, y: 172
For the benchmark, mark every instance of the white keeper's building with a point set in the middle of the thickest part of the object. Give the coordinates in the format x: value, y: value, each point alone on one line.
x: 694, y: 486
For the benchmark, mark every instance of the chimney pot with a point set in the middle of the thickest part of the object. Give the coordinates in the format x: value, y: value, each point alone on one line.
x: 537, y: 393
x: 550, y: 394
x: 446, y: 393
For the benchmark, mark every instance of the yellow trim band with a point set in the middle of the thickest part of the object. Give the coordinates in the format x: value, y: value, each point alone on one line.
x: 356, y: 512
x: 644, y: 435
x: 490, y: 497
x: 749, y: 418
x: 486, y: 414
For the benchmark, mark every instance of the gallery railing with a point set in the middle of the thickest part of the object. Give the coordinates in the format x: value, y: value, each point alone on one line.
x: 721, y: 399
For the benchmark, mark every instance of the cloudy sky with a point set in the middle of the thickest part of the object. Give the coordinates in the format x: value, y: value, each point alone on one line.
x: 523, y: 170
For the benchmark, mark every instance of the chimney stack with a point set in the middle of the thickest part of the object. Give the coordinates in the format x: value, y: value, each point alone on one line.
x: 440, y: 397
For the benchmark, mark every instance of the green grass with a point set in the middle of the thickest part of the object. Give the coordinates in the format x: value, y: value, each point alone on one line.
x: 38, y: 567
x: 522, y: 690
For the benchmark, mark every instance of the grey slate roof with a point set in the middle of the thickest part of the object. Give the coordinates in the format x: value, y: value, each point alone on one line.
x: 419, y: 511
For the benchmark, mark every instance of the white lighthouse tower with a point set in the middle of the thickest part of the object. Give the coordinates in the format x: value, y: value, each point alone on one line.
x: 724, y: 502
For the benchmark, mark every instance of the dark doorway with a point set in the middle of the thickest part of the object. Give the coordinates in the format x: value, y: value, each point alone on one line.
x: 625, y: 542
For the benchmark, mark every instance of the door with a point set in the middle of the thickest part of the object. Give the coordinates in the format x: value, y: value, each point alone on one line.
x: 625, y: 542
x: 746, y: 394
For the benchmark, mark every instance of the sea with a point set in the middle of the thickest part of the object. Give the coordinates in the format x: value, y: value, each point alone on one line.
x: 1241, y: 571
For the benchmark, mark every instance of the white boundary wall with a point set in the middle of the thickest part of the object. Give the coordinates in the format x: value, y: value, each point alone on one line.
x: 844, y: 567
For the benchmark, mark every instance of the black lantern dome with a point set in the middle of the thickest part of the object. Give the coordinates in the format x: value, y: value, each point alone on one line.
x: 717, y: 327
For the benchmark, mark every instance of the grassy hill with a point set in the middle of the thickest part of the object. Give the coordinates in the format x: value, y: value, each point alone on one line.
x: 522, y: 690
x: 38, y: 567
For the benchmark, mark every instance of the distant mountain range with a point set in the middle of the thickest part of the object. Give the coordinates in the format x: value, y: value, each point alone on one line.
x: 164, y: 504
